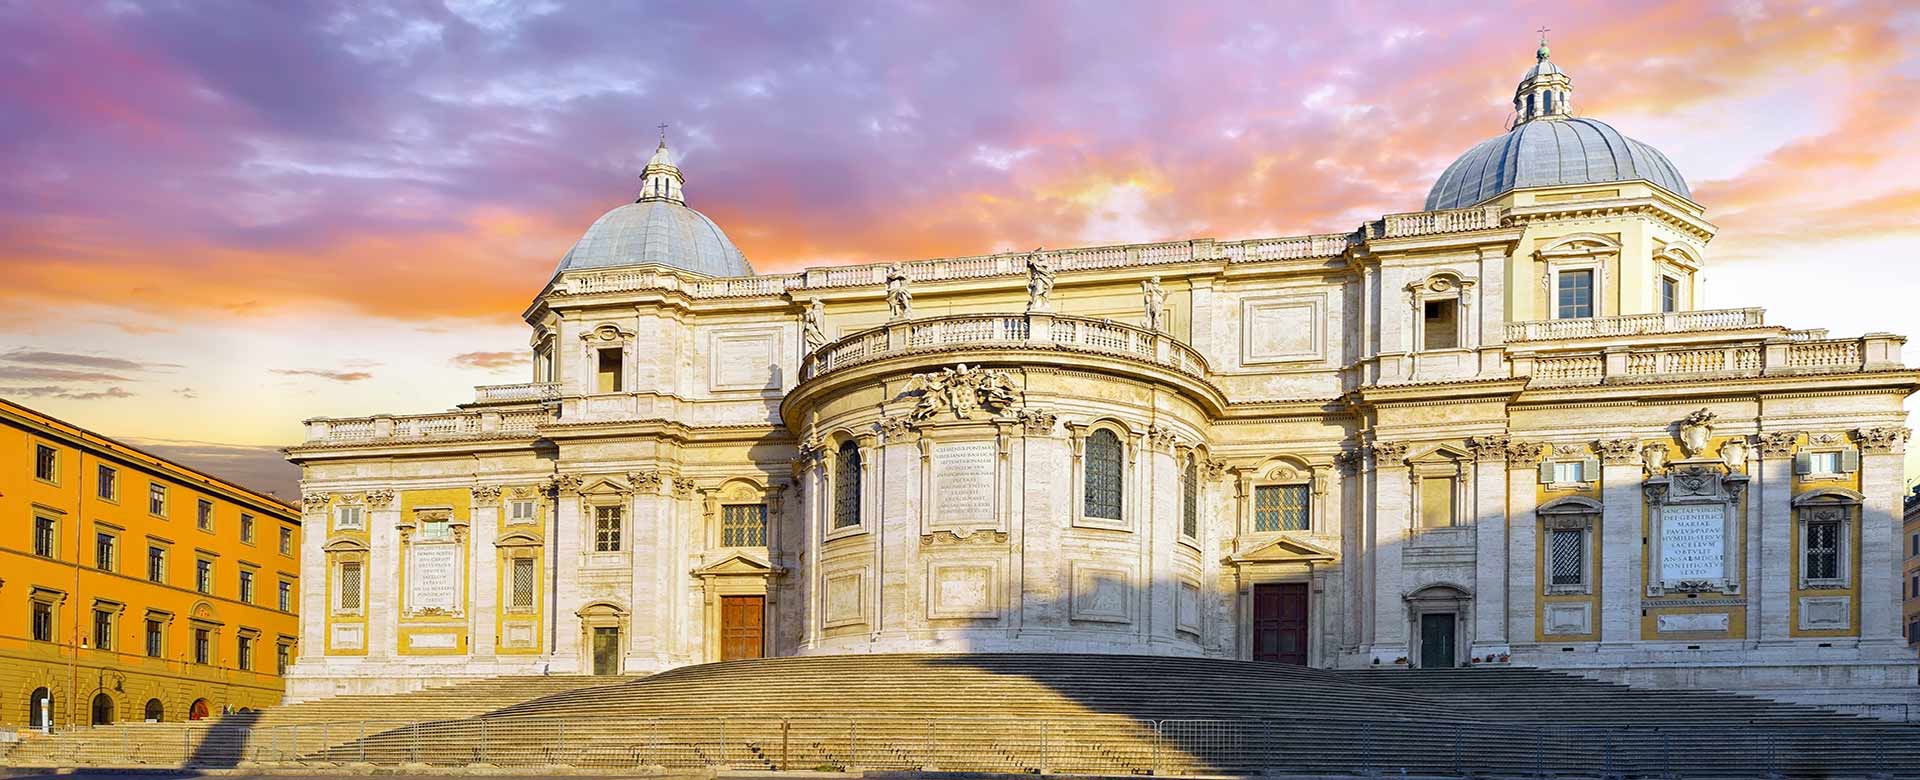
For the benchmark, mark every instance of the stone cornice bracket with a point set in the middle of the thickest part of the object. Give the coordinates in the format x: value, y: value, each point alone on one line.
x: 1778, y: 444
x: 1620, y: 452
x: 1884, y: 440
x: 1488, y: 447
x: 644, y: 481
x: 379, y: 499
x: 564, y: 485
x: 1037, y: 422
x: 1525, y: 454
x: 1387, y: 453
x: 486, y: 495
x: 315, y: 501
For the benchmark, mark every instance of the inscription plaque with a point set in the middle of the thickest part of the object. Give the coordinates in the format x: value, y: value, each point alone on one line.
x: 963, y: 480
x: 1693, y: 542
x: 433, y: 578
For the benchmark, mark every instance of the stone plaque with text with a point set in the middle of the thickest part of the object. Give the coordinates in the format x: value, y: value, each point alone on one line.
x: 1693, y: 542
x: 433, y: 578
x: 963, y: 481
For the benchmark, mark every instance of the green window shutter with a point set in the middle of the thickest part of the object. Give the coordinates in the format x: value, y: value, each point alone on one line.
x: 1849, y: 460
x: 1546, y: 471
x: 1803, y: 463
x: 1590, y: 470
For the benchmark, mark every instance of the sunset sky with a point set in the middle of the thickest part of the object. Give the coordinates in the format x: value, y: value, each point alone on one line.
x: 217, y: 219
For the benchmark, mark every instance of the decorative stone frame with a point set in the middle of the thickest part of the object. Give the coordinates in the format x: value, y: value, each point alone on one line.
x: 1440, y: 598
x: 1695, y: 483
x: 603, y: 613
x: 1571, y: 513
x: 1440, y: 461
x: 1568, y: 452
x: 829, y: 465
x: 1829, y: 504
x: 607, y: 335
x: 1679, y: 263
x: 740, y: 490
x: 997, y: 435
x: 514, y: 546
x: 1577, y: 252
x: 743, y: 571
x: 604, y: 493
x: 1283, y: 471
x: 1129, y: 480
x: 1821, y: 444
x: 333, y: 514
x: 1442, y: 285
x: 457, y: 537
x: 543, y: 343
x: 1195, y: 457
x: 339, y: 552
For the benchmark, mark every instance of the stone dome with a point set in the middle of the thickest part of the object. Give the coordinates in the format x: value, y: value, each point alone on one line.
x: 657, y: 229
x: 1549, y: 146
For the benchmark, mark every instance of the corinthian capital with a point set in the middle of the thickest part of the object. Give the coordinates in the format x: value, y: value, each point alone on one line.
x: 1883, y: 440
x: 1778, y: 444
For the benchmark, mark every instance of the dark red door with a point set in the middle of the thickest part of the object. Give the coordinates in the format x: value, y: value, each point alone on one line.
x: 1280, y: 623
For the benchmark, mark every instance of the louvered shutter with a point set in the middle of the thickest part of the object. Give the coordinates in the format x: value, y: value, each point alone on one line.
x: 1849, y: 460
x: 1803, y: 463
x: 1546, y: 472
x: 1590, y: 470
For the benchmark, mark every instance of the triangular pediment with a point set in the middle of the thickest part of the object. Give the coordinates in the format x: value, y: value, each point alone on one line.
x: 603, y: 487
x: 738, y: 564
x: 1285, y: 549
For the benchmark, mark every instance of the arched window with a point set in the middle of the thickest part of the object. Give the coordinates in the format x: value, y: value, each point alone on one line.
x: 846, y: 486
x: 1103, y: 479
x: 156, y: 711
x: 39, y: 707
x: 1190, y: 498
x: 200, y: 710
x: 102, y: 710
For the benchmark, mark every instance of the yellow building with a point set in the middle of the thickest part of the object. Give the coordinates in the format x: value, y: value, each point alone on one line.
x: 1910, y: 527
x: 133, y: 586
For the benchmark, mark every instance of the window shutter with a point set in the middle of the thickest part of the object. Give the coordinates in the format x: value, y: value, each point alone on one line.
x: 1590, y: 470
x: 1546, y: 472
x: 1849, y: 460
x: 1803, y: 463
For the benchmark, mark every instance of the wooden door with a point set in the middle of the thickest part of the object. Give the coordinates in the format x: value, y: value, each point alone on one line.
x: 1436, y: 640
x: 742, y: 620
x: 606, y: 650
x: 1280, y: 623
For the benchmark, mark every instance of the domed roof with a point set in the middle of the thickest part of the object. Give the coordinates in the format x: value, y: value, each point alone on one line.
x: 657, y: 229
x: 1548, y: 146
x: 1549, y: 152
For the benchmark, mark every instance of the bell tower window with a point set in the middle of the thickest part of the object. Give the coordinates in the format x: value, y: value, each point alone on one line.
x: 1441, y: 324
x: 1575, y: 299
x: 607, y: 377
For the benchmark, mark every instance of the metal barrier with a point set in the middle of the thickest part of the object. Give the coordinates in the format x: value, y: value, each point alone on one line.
x: 1091, y: 744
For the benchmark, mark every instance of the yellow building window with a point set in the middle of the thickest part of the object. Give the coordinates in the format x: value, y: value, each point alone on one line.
x: 106, y: 484
x: 1436, y: 502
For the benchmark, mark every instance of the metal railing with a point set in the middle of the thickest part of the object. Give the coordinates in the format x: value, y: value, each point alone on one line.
x: 1093, y: 743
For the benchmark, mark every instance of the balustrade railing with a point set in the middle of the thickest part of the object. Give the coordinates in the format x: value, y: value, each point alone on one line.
x: 1748, y: 358
x: 1048, y: 331
x: 1423, y: 223
x: 1636, y: 324
x: 526, y: 391
x: 386, y: 429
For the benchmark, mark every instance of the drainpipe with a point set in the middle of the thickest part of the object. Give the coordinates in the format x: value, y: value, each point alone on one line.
x: 79, y: 518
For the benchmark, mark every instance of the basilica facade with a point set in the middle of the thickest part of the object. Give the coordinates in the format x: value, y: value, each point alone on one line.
x: 1497, y: 430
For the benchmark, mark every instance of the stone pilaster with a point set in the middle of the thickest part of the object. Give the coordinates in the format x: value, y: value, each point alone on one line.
x: 1882, y: 457
x: 1622, y: 525
x: 1392, y: 517
x: 1772, y: 606
x: 653, y: 564
x: 483, y: 569
x: 1490, y: 537
x: 382, y: 585
x: 568, y: 537
x: 1523, y: 540
x: 314, y: 522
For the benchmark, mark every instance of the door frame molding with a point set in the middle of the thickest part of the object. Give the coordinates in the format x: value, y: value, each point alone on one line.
x: 740, y: 573
x: 1312, y: 573
x: 1440, y: 598
x: 1253, y: 618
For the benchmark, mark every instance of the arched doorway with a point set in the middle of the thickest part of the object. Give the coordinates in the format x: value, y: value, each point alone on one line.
x: 156, y: 711
x: 39, y: 707
x: 198, y: 710
x: 102, y: 710
x: 1440, y: 617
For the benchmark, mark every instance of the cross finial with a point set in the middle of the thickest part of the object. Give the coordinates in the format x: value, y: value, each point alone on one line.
x: 663, y: 134
x: 1543, y: 33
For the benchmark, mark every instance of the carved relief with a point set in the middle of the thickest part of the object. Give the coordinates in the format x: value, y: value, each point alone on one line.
x: 486, y: 495
x: 1488, y: 447
x: 1883, y: 440
x: 896, y: 427
x: 1214, y: 469
x: 1695, y: 431
x: 564, y: 485
x: 1525, y: 454
x: 315, y: 501
x: 1778, y: 444
x: 1160, y: 438
x: 644, y: 481
x: 1385, y: 452
x: 1654, y: 456
x: 1620, y: 452
x: 682, y: 487
x: 961, y: 391
x: 379, y: 499
x: 947, y: 537
x: 1348, y: 461
x: 1038, y: 423
x: 1733, y: 452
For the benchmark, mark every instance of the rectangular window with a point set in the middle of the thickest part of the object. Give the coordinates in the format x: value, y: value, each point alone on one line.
x: 246, y: 528
x: 1823, y: 550
x: 347, y: 517
x: 286, y: 540
x: 202, y: 646
x: 1913, y: 544
x: 608, y: 377
x: 523, y: 584
x: 156, y: 564
x: 156, y: 638
x: 606, y: 528
x: 246, y: 586
x: 103, y: 629
x: 46, y: 463
x: 1669, y: 294
x: 1281, y: 508
x: 103, y: 551
x: 203, y: 514
x: 743, y: 525
x: 1436, y: 502
x: 1441, y: 326
x: 43, y: 537
x: 350, y: 586
x: 246, y: 653
x: 286, y: 596
x: 203, y: 576
x: 1567, y: 472
x: 280, y: 653
x: 106, y: 483
x: 1824, y: 462
x: 1576, y: 295
x: 521, y: 513
x: 157, y: 499
x: 1569, y: 556
x: 42, y: 621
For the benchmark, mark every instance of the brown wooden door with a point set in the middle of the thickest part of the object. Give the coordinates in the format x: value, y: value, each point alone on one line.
x: 1280, y: 623
x: 741, y: 619
x: 606, y: 650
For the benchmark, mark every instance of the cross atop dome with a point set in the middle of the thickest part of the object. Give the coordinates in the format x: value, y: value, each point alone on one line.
x: 661, y: 180
x: 1546, y: 92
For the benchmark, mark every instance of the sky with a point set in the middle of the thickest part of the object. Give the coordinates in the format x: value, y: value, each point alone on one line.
x: 220, y: 218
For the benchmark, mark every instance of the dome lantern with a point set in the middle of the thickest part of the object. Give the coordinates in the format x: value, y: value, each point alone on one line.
x: 661, y: 179
x: 1546, y: 92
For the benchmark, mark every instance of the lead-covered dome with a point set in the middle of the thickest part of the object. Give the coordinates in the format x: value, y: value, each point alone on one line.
x: 1548, y: 146
x: 657, y: 229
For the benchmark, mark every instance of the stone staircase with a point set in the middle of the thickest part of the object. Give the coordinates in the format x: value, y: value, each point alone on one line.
x: 224, y: 740
x: 1090, y: 714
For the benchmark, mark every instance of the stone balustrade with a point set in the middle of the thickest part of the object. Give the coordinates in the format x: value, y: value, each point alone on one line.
x: 1424, y: 223
x: 1756, y: 357
x: 1014, y: 331
x: 526, y: 391
x: 404, y: 428
x: 1636, y: 324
